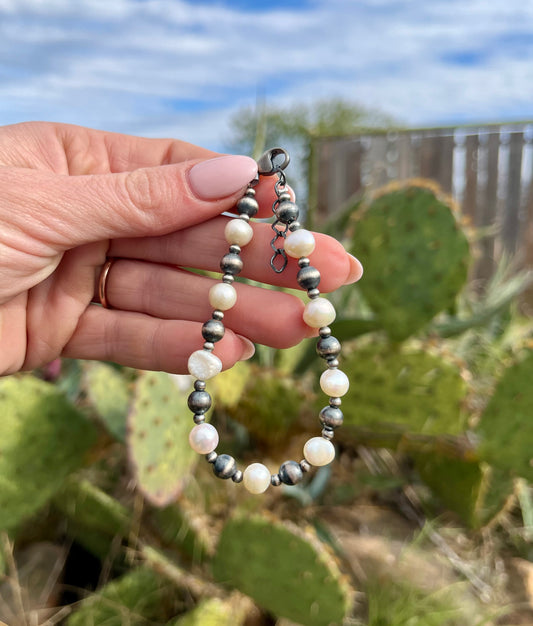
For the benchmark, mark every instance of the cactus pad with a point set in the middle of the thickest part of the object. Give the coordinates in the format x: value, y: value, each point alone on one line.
x: 109, y: 393
x: 158, y: 429
x: 214, y: 612
x: 506, y: 427
x: 269, y: 407
x: 134, y: 599
x: 43, y: 438
x: 415, y: 256
x: 286, y: 570
x: 400, y: 389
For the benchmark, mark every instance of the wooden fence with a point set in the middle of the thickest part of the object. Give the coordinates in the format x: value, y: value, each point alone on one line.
x: 488, y: 169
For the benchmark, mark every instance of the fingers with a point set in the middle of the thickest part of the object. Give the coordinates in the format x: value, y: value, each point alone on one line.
x: 139, y: 341
x: 264, y: 316
x: 203, y: 246
x: 65, y: 211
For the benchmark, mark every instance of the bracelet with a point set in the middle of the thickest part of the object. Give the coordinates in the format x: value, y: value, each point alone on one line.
x: 318, y: 313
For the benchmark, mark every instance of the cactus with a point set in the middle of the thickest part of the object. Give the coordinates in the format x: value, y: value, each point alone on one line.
x: 183, y: 526
x: 403, y: 389
x: 157, y: 437
x: 269, y: 407
x: 43, y: 438
x: 214, y: 612
x: 415, y: 256
x: 286, y: 570
x: 109, y: 393
x: 228, y: 386
x: 94, y: 517
x: 506, y: 426
x: 133, y: 599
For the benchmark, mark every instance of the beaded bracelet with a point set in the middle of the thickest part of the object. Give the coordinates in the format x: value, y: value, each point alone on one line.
x: 318, y: 313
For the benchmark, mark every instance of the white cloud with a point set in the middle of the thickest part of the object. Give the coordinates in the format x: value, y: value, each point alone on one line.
x: 176, y: 68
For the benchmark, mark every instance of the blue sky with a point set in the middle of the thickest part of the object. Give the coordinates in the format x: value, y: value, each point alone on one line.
x: 181, y: 69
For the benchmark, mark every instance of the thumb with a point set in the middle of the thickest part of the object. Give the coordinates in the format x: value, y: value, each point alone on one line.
x: 66, y: 211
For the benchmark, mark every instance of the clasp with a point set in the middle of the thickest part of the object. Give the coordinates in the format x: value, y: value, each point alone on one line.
x: 269, y: 163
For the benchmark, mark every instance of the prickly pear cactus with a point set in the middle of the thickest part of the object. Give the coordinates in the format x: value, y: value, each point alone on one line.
x: 228, y: 386
x: 403, y: 389
x: 214, y: 612
x: 473, y: 490
x: 286, y: 570
x: 506, y: 426
x: 134, y: 599
x: 43, y: 438
x: 415, y: 255
x: 109, y: 393
x: 158, y: 428
x: 269, y: 407
x: 93, y: 517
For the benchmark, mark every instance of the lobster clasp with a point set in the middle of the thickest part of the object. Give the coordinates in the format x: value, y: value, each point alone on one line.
x: 270, y: 162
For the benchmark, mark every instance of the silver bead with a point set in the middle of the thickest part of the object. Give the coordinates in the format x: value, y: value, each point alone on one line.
x: 304, y: 261
x: 327, y: 434
x: 199, y: 418
x: 218, y: 315
x: 328, y: 347
x: 224, y: 466
x: 295, y: 226
x: 199, y: 385
x: 313, y: 293
x: 325, y: 331
x: 199, y: 401
x: 209, y: 346
x: 331, y: 417
x: 335, y: 402
x: 286, y: 212
x: 305, y: 465
x: 247, y: 205
x: 244, y: 217
x: 237, y: 477
x: 275, y: 481
x: 284, y: 196
x: 308, y: 277
x: 228, y: 279
x: 290, y: 473
x: 231, y: 264
x: 333, y: 363
x: 211, y: 457
x: 213, y: 330
x: 235, y: 249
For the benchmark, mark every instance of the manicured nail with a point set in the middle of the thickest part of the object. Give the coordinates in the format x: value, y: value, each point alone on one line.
x: 222, y: 176
x: 248, y: 348
x: 291, y: 192
x: 356, y: 270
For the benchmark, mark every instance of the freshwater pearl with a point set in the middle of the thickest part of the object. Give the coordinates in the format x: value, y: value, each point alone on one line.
x: 299, y: 243
x: 319, y: 451
x: 203, y: 438
x: 222, y: 296
x: 256, y: 478
x: 238, y: 232
x: 204, y: 365
x: 319, y: 312
x: 334, y: 383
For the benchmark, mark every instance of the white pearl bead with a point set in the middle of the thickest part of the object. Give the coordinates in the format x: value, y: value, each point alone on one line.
x: 334, y: 383
x: 222, y: 296
x: 256, y: 478
x: 204, y: 365
x: 319, y: 312
x: 319, y: 451
x: 203, y: 438
x: 299, y: 243
x: 238, y: 232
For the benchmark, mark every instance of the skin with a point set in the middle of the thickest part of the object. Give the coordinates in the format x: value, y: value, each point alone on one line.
x: 71, y: 197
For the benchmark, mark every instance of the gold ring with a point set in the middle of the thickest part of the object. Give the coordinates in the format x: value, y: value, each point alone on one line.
x: 102, y: 283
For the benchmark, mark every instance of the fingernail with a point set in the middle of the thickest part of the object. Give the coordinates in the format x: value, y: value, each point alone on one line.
x: 222, y: 176
x: 356, y: 270
x: 248, y: 348
x: 291, y: 192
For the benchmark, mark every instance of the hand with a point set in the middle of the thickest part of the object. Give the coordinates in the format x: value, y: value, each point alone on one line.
x: 71, y: 197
